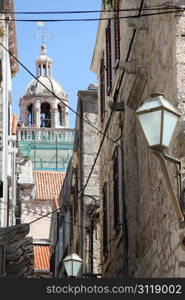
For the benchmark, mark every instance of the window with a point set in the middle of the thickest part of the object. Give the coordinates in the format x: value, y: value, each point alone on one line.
x: 105, y: 220
x: 76, y: 191
x: 102, y: 88
x: 2, y: 260
x: 108, y: 58
x: 116, y: 188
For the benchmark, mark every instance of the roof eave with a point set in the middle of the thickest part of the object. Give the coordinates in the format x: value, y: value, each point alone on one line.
x: 99, y: 43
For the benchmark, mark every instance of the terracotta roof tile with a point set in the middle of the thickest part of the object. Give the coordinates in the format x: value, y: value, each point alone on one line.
x: 48, y: 184
x: 41, y: 257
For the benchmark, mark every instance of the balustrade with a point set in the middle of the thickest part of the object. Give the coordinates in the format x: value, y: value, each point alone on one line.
x: 61, y: 135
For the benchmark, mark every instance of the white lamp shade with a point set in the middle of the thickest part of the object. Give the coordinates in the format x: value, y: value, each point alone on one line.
x: 151, y: 124
x: 72, y: 264
x: 169, y: 124
x: 158, y: 119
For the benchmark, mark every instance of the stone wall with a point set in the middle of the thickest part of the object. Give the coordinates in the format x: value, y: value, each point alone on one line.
x: 32, y: 209
x: 88, y: 143
x: 154, y: 237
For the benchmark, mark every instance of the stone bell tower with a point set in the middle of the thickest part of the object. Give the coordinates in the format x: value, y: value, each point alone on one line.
x: 44, y: 134
x: 38, y: 106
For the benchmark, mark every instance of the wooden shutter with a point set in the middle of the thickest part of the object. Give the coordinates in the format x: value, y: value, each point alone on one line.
x: 116, y: 188
x: 108, y: 58
x: 1, y: 5
x: 102, y: 88
x: 116, y: 30
x: 105, y: 220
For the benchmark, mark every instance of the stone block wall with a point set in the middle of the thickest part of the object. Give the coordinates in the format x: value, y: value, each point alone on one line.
x: 154, y: 238
x: 86, y: 147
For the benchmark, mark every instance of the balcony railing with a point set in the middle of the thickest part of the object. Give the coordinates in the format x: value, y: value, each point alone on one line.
x: 61, y: 135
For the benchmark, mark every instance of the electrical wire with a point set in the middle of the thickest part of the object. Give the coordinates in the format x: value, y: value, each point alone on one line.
x: 149, y: 8
x: 141, y: 15
x: 23, y: 209
x: 97, y: 155
x: 108, y: 122
x: 37, y: 219
x: 63, y: 102
x: 94, y: 19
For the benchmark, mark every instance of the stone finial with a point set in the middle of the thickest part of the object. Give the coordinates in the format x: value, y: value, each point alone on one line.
x: 43, y: 49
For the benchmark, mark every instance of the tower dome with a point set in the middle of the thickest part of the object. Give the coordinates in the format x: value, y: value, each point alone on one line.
x: 37, y: 89
x: 40, y: 104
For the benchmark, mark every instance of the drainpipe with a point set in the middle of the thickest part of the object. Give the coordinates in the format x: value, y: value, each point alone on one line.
x: 91, y: 248
x: 124, y: 219
x: 81, y: 177
x: 5, y: 127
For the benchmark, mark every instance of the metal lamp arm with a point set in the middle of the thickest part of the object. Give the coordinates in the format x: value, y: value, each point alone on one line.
x: 162, y: 158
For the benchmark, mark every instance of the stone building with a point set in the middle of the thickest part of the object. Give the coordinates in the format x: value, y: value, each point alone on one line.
x: 8, y: 69
x: 134, y: 58
x: 78, y: 220
x: 12, y: 259
x: 45, y: 144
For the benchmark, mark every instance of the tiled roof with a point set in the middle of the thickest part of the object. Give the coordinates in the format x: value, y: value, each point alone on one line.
x: 48, y: 184
x: 41, y: 257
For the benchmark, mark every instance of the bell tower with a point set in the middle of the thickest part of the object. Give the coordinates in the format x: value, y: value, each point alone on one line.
x: 43, y: 103
x: 43, y: 133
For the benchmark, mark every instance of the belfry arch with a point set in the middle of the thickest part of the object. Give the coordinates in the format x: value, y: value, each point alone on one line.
x: 30, y: 110
x: 45, y: 115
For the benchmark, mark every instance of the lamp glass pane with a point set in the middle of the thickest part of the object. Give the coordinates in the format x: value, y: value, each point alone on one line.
x: 72, y: 267
x: 68, y: 267
x: 151, y: 124
x: 76, y: 267
x: 170, y: 121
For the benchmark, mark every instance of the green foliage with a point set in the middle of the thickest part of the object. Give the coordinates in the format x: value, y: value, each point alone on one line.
x: 107, y: 2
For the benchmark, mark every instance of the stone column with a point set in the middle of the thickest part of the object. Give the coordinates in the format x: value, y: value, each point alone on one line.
x: 23, y: 114
x: 26, y: 118
x: 66, y: 117
x: 37, y: 114
x: 54, y: 112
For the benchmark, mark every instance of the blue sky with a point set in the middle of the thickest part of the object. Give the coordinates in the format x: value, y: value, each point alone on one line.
x: 71, y: 46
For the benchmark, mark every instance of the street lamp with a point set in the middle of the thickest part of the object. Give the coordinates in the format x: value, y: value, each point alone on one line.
x: 72, y: 264
x: 158, y: 119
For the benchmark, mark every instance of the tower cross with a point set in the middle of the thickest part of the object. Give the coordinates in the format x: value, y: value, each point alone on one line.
x: 43, y: 34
